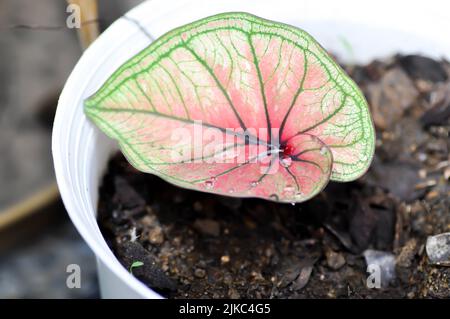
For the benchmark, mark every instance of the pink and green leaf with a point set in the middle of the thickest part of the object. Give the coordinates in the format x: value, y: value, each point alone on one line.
x: 241, y: 77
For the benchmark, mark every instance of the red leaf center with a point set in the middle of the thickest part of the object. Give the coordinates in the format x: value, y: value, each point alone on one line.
x: 287, y: 149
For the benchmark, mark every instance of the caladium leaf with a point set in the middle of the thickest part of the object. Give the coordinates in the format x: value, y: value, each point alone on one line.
x: 237, y: 105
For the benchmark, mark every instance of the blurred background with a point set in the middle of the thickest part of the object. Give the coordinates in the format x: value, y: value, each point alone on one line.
x: 37, y: 239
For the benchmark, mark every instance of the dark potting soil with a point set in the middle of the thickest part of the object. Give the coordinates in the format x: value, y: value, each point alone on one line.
x: 197, y: 245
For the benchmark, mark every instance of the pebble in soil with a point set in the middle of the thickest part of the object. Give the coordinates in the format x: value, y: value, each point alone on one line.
x: 201, y: 245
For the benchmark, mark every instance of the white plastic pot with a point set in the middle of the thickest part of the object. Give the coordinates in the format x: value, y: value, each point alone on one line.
x: 356, y: 31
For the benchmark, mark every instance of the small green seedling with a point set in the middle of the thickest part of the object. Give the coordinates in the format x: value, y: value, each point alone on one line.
x: 136, y: 264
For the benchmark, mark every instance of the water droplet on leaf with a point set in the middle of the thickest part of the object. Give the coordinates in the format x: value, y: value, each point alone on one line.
x: 286, y: 161
x: 289, y: 189
x: 254, y: 184
x: 323, y: 150
x: 274, y: 197
x: 209, y: 184
x: 298, y: 194
x: 231, y: 191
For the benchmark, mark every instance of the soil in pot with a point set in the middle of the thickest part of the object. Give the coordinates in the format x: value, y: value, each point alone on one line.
x: 197, y: 245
